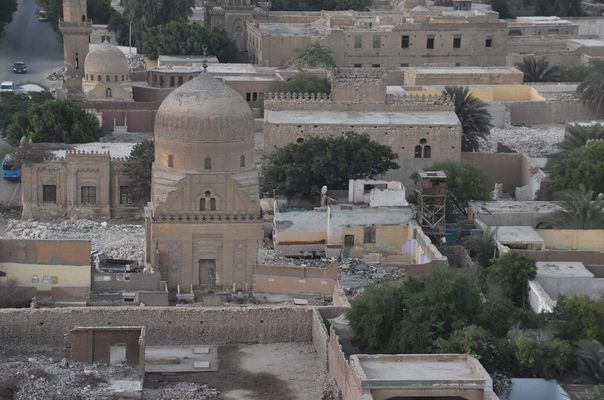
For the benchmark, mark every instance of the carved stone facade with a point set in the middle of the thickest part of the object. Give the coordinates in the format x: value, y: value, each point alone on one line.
x: 81, y: 185
x: 421, y: 130
x: 203, y: 223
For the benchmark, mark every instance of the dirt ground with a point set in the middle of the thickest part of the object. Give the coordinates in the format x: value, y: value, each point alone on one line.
x: 284, y: 371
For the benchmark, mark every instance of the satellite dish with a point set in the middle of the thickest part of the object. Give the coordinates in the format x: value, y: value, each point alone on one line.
x: 324, y: 190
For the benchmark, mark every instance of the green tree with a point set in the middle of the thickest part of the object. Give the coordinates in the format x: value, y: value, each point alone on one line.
x: 146, y: 14
x: 581, y: 209
x: 560, y: 8
x: 473, y: 114
x: 592, y: 87
x: 304, y: 82
x: 585, y: 166
x: 182, y: 38
x: 464, y: 183
x: 503, y: 8
x: 301, y: 169
x: 580, y: 317
x: 482, y: 247
x: 410, y: 317
x: 99, y: 11
x: 549, y: 360
x: 577, y: 136
x: 138, y: 169
x: 539, y: 70
x: 53, y: 121
x: 590, y: 355
x: 11, y: 103
x: 315, y: 55
x: 512, y: 272
x: 8, y: 8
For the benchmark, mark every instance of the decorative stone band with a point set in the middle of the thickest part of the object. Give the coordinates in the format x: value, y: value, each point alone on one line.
x: 206, y: 218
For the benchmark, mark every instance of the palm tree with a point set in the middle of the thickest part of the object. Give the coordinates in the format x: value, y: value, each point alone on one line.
x: 473, y: 114
x: 590, y: 354
x: 538, y: 70
x: 576, y: 137
x: 315, y: 55
x: 592, y: 87
x: 579, y: 210
x: 482, y: 247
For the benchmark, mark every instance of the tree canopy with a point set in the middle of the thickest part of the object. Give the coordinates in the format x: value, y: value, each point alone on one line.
x: 146, y: 14
x: 182, y: 38
x: 319, y: 5
x: 512, y: 272
x: 583, y: 166
x: 539, y: 70
x: 581, y: 209
x: 8, y: 7
x: 12, y: 103
x: 304, y: 82
x: 464, y: 183
x: 592, y: 86
x: 53, y: 121
x: 301, y: 169
x: 473, y: 114
x: 138, y: 169
x: 315, y: 55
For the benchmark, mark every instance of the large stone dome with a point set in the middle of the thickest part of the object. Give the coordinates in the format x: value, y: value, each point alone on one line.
x: 204, y: 119
x: 105, y: 60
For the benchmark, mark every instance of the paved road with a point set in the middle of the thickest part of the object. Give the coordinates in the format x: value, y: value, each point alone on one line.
x: 31, y: 41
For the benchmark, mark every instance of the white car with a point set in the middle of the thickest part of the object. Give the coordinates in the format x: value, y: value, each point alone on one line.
x: 7, y: 86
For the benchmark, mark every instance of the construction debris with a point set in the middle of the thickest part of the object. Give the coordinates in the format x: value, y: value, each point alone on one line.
x: 534, y: 141
x: 57, y: 75
x: 182, y: 390
x: 355, y: 274
x: 116, y: 239
x: 270, y: 256
x: 136, y: 62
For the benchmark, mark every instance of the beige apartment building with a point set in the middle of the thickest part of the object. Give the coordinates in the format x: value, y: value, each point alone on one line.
x: 362, y: 39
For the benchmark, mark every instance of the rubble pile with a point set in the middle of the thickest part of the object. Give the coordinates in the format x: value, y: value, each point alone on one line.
x: 57, y: 75
x: 354, y: 274
x: 43, y: 378
x: 115, y: 239
x: 535, y: 141
x: 270, y: 256
x: 182, y: 390
x: 136, y: 62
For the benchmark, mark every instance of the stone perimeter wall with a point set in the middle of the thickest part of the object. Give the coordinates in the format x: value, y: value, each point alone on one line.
x: 44, y: 329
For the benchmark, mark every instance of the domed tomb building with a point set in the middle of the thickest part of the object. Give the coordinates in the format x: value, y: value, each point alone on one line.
x: 106, y: 74
x: 203, y: 222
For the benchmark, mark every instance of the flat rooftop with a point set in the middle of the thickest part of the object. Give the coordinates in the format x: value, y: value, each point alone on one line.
x: 319, y: 117
x: 514, y: 207
x: 516, y: 234
x: 465, y: 70
x: 285, y: 29
x: 417, y: 369
x: 301, y: 221
x: 562, y: 269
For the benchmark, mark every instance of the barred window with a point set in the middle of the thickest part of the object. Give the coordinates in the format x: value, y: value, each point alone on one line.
x: 125, y: 195
x: 88, y: 195
x: 49, y: 194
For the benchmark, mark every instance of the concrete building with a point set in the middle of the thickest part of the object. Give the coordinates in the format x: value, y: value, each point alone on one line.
x: 376, y: 193
x: 55, y: 270
x: 422, y: 131
x: 426, y: 76
x: 76, y: 28
x: 510, y: 213
x: 83, y: 182
x: 372, y: 39
x: 203, y: 223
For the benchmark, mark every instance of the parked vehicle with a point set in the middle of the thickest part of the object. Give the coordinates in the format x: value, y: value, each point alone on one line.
x: 7, y: 86
x: 42, y: 16
x: 11, y: 171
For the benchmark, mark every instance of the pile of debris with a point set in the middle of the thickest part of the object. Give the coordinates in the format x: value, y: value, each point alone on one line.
x: 355, y: 274
x: 115, y: 239
x: 182, y: 390
x: 535, y: 141
x: 43, y: 378
x: 136, y: 62
x: 268, y: 256
x: 57, y: 75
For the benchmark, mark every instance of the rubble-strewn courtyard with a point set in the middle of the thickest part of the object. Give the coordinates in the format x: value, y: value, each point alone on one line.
x: 539, y: 141
x: 117, y: 238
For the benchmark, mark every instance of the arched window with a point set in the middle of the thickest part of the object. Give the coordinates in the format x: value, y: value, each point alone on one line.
x: 207, y: 163
x: 108, y: 92
x: 418, y: 151
x: 98, y: 78
x: 122, y: 78
x: 84, y: 18
x: 107, y: 78
x: 202, y: 204
x: 427, y: 151
x: 242, y: 161
x: 212, y: 204
x: 170, y: 160
x: 115, y: 78
x: 86, y: 76
x: 207, y: 202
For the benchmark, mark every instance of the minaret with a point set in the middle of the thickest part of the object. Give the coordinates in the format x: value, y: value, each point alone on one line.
x: 75, y: 27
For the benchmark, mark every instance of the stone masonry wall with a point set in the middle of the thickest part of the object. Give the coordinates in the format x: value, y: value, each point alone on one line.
x: 44, y: 329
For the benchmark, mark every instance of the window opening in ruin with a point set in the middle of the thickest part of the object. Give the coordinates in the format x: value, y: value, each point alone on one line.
x: 457, y: 42
x: 430, y: 42
x: 358, y: 42
x: 212, y: 204
x: 108, y: 92
x: 418, y: 151
x: 202, y: 204
x: 107, y: 78
x: 369, y: 234
x: 125, y: 195
x: 488, y: 42
x: 242, y: 161
x: 377, y: 41
x: 49, y: 194
x: 170, y: 160
x: 405, y: 42
x: 88, y: 195
x: 207, y: 163
x: 427, y: 151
